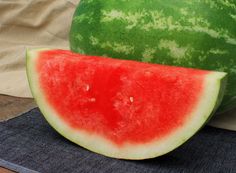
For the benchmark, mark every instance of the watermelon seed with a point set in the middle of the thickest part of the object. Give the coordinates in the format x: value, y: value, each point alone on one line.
x: 87, y: 88
x: 92, y: 99
x: 131, y: 99
x: 148, y: 73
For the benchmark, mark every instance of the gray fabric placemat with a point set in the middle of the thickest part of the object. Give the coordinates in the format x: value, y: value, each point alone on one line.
x: 29, y: 141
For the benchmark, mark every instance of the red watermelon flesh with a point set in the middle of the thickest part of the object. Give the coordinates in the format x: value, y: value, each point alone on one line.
x: 120, y: 103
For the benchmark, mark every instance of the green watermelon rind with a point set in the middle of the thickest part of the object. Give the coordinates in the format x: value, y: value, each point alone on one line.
x: 213, y: 93
x: 197, y: 34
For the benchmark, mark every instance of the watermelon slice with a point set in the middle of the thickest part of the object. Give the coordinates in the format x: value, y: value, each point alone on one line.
x: 122, y: 108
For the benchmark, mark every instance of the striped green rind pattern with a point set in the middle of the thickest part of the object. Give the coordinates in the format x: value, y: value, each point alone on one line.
x: 198, y: 34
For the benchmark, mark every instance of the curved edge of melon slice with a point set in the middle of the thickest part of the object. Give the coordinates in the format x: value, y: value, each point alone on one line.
x: 210, y: 100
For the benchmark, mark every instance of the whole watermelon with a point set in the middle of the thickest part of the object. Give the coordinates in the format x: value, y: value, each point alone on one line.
x: 199, y: 34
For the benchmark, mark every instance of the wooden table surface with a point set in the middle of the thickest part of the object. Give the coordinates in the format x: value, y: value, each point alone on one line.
x: 3, y: 170
x: 13, y: 106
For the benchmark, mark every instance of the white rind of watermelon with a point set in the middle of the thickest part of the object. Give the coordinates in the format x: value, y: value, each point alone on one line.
x: 207, y: 104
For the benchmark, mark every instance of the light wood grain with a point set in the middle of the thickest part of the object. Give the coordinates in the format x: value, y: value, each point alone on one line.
x: 3, y: 170
x: 11, y: 107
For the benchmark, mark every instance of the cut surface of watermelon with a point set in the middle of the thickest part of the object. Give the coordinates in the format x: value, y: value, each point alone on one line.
x: 120, y: 108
